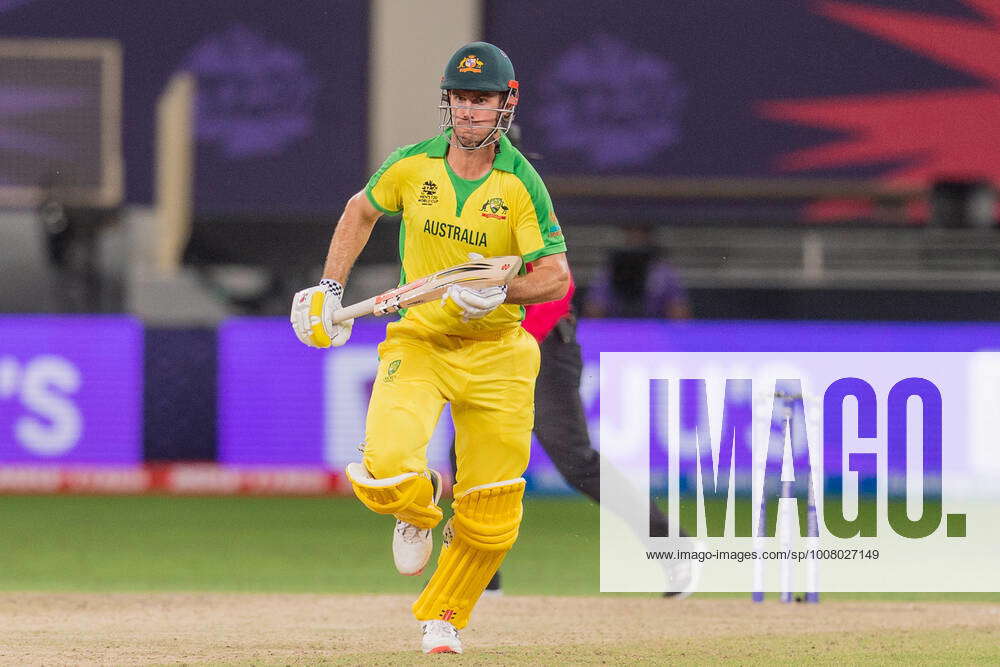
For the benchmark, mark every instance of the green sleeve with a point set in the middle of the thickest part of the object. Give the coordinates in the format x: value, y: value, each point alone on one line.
x: 552, y: 240
x: 383, y: 189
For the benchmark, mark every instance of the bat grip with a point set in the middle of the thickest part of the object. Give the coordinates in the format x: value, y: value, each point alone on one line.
x: 355, y: 310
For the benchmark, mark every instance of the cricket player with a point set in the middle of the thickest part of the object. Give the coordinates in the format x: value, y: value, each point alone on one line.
x: 465, y: 192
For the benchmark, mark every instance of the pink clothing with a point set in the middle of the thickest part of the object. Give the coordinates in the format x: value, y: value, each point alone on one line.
x: 541, y: 318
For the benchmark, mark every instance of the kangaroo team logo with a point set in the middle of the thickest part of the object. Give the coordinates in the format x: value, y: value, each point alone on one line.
x: 494, y: 208
x: 470, y: 63
x: 390, y: 373
x: 428, y: 193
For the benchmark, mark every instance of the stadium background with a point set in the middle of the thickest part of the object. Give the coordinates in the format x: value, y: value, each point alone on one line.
x: 806, y: 163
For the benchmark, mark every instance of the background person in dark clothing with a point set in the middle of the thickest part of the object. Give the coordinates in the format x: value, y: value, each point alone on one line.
x: 637, y: 281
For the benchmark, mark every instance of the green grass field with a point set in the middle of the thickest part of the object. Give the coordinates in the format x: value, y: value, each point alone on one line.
x: 318, y: 545
x: 150, y: 580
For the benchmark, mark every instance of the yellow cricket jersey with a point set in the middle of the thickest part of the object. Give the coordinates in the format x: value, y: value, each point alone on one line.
x: 507, y: 212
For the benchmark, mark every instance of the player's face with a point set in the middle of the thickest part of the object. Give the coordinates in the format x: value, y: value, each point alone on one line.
x: 474, y: 114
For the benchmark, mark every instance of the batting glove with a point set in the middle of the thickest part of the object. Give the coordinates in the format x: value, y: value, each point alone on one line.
x: 311, y: 311
x: 473, y: 304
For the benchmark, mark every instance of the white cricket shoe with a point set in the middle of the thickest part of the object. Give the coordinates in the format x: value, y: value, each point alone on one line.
x: 440, y: 637
x: 412, y: 546
x: 683, y: 576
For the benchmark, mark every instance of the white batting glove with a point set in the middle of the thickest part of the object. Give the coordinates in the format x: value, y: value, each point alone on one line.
x: 473, y: 304
x: 311, y: 311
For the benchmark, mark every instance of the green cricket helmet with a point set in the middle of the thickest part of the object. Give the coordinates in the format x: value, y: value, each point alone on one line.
x: 484, y: 67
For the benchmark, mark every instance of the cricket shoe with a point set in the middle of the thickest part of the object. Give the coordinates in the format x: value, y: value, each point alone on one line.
x: 412, y: 545
x: 440, y: 637
x: 683, y: 576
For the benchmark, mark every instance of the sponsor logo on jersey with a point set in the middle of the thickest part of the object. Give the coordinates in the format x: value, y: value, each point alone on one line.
x: 554, y: 231
x: 470, y: 63
x: 455, y: 233
x: 494, y: 208
x: 428, y: 193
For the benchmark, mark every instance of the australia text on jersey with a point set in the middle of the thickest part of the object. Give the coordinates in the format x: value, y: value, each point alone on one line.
x: 455, y: 233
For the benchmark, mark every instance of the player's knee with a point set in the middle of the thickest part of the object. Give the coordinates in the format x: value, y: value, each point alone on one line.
x: 410, y: 497
x: 384, y: 460
x: 380, y: 466
x: 516, y: 448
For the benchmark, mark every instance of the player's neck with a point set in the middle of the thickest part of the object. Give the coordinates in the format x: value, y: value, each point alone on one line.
x: 471, y: 165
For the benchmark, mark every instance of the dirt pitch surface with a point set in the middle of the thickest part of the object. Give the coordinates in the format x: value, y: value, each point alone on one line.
x: 170, y: 628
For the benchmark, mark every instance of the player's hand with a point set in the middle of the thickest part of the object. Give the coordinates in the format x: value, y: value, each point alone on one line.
x: 311, y: 311
x: 473, y: 304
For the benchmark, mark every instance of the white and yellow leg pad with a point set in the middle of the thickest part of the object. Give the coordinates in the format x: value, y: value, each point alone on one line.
x: 408, y: 497
x: 476, y: 540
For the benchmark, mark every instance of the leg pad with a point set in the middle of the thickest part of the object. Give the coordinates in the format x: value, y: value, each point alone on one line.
x: 476, y: 540
x: 408, y: 497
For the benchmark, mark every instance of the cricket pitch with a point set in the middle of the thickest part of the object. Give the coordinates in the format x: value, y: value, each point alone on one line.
x: 234, y: 628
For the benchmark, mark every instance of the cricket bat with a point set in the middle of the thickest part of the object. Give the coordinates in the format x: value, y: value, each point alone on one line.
x: 487, y: 272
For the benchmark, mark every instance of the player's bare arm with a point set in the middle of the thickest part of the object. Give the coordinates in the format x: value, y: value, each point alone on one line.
x: 312, y: 308
x: 548, y: 281
x: 350, y: 237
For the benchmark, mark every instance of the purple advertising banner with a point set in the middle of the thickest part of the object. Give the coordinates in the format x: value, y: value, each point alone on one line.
x: 275, y: 393
x: 888, y: 89
x: 70, y: 390
x: 283, y: 403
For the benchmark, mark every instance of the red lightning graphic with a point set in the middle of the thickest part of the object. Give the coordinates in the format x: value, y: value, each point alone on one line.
x: 950, y: 132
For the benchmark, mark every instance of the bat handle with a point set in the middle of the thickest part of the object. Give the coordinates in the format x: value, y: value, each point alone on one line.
x: 355, y: 310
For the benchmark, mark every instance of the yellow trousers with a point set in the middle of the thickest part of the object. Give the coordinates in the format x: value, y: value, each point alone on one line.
x: 490, y: 384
